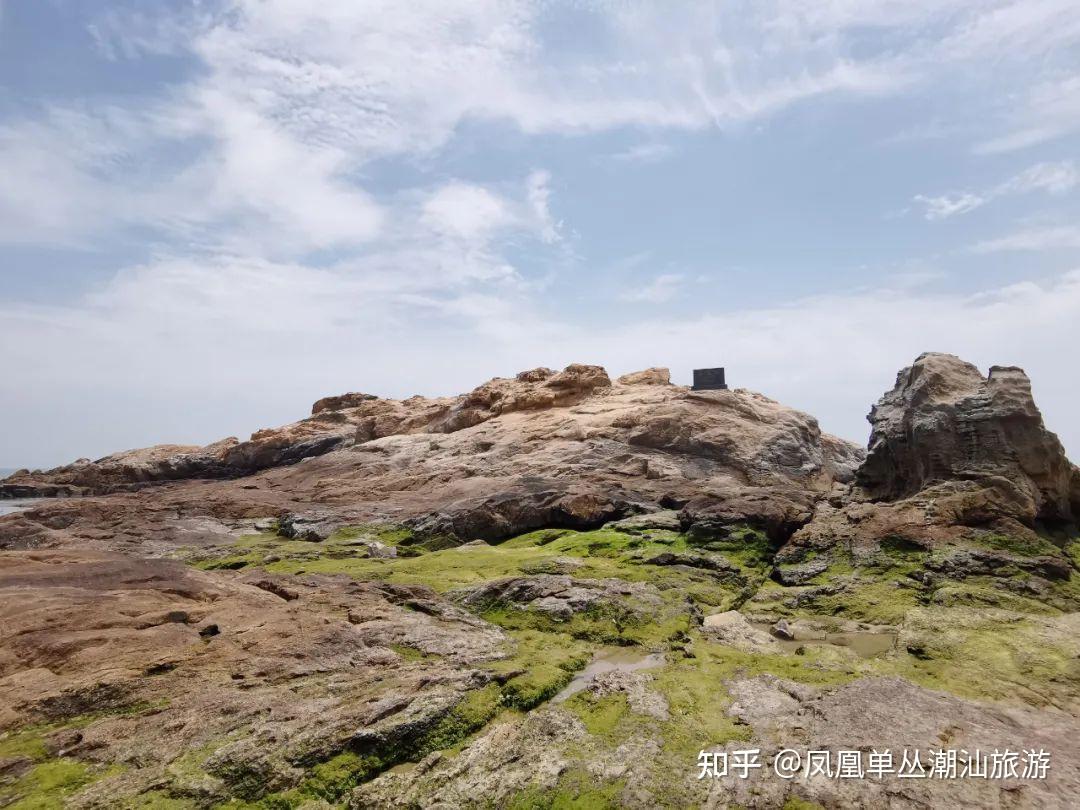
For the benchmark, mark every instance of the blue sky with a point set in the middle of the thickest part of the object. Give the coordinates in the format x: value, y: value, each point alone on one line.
x: 213, y: 213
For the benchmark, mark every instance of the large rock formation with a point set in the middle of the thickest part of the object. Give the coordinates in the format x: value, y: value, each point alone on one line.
x: 285, y: 620
x: 541, y: 449
x: 946, y: 425
x: 953, y: 455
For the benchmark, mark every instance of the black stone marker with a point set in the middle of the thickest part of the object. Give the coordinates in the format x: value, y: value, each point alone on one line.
x: 709, y: 379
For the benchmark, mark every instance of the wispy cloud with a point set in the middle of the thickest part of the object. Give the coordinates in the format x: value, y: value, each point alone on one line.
x: 334, y: 329
x: 662, y: 288
x: 1032, y: 239
x: 1052, y: 178
x: 652, y: 152
x: 290, y: 100
x: 1048, y: 110
x: 949, y: 205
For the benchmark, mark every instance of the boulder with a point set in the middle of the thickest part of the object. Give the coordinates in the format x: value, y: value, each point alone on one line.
x: 801, y: 573
x: 717, y: 564
x: 650, y: 376
x: 313, y: 528
x: 732, y: 628
x: 666, y: 519
x: 341, y: 401
x: 783, y: 630
x: 579, y: 378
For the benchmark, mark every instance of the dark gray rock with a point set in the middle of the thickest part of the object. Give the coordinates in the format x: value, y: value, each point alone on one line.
x: 800, y: 574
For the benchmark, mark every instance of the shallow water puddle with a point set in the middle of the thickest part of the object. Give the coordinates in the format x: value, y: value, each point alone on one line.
x: 18, y: 504
x: 866, y: 644
x: 614, y: 659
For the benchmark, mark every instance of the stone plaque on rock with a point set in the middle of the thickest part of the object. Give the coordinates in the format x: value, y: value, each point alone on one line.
x: 709, y: 379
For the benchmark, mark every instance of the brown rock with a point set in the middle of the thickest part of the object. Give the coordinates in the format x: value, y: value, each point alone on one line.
x: 944, y: 422
x: 280, y: 670
x: 580, y: 378
x: 650, y: 376
x: 340, y: 402
x: 512, y: 455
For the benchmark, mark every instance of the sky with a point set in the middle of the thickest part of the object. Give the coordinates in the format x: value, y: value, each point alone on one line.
x: 213, y: 213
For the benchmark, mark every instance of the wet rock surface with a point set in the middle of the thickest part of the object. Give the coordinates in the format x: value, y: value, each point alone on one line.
x: 562, y: 596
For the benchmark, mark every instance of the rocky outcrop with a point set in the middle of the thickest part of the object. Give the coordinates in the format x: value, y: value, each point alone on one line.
x: 269, y: 675
x: 335, y: 422
x: 944, y: 423
x: 347, y: 604
x: 511, y: 758
x: 541, y: 449
x: 530, y: 390
x: 650, y: 376
x: 119, y: 471
x: 562, y: 596
x: 341, y: 402
x: 733, y: 630
x: 953, y: 455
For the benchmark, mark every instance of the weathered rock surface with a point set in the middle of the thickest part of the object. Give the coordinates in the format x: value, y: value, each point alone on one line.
x: 650, y: 376
x: 951, y: 453
x: 732, y: 629
x: 292, y: 670
x: 667, y: 519
x: 562, y: 596
x: 640, y: 696
x: 510, y: 758
x: 944, y: 423
x: 261, y: 676
x: 542, y: 449
x: 860, y: 714
x: 782, y: 714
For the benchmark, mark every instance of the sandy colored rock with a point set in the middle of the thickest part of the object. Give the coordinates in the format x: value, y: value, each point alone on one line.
x: 650, y: 376
x: 732, y: 628
x: 561, y: 449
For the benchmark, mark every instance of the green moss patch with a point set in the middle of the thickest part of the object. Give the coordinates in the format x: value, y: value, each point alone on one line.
x: 991, y: 654
x: 577, y: 790
x: 542, y: 665
x: 48, y: 780
x: 1022, y: 546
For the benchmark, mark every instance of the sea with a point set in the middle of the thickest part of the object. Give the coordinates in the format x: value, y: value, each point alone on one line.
x: 16, y: 505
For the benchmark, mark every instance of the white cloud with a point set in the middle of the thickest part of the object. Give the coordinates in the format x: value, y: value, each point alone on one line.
x: 662, y: 288
x: 236, y: 346
x: 651, y: 152
x: 465, y: 210
x: 1050, y: 109
x: 291, y: 100
x: 1052, y: 178
x: 1032, y: 239
x: 949, y: 205
x: 264, y: 155
x: 538, y: 190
